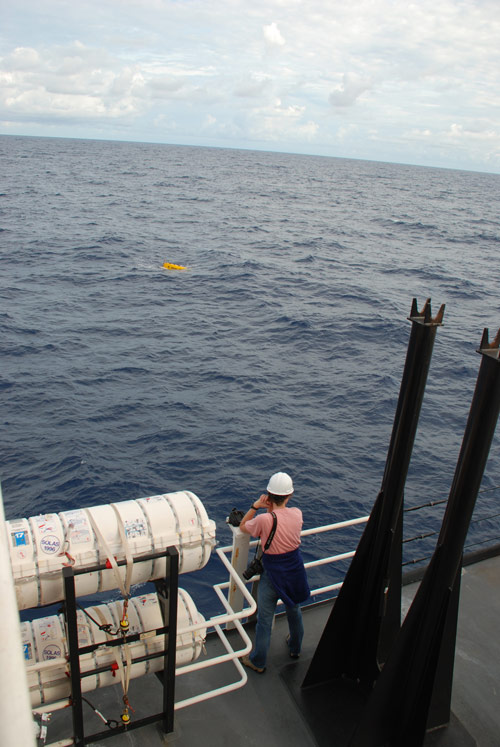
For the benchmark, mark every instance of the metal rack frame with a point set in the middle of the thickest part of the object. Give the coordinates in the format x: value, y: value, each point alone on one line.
x: 167, y: 595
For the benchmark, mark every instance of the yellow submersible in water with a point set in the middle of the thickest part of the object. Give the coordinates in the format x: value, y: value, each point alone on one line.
x: 170, y: 266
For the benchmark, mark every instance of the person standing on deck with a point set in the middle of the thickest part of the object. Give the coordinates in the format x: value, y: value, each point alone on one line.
x: 284, y: 576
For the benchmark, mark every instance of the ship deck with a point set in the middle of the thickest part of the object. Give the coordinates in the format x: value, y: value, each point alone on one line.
x: 271, y: 709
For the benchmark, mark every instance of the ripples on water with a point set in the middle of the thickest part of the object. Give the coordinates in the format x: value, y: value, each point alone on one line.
x: 282, y: 347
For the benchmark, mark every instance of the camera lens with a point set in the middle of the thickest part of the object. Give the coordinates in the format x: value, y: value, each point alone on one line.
x: 254, y: 569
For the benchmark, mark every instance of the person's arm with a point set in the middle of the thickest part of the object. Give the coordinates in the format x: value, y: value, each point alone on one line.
x: 262, y: 502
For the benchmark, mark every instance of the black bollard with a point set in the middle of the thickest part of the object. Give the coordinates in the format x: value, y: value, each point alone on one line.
x: 366, y: 616
x: 413, y: 692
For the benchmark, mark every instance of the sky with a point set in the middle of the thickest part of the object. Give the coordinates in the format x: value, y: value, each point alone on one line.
x: 385, y: 80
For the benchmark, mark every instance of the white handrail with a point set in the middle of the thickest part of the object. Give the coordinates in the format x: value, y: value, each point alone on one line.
x: 216, y: 622
x: 331, y: 559
x: 225, y: 688
x: 314, y: 530
x: 321, y: 561
x: 332, y: 527
x: 232, y: 616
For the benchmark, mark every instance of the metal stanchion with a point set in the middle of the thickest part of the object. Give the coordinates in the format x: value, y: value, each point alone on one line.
x: 366, y: 616
x: 413, y: 692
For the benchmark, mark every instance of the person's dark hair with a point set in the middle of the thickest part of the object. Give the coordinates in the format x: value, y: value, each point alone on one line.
x: 277, y: 499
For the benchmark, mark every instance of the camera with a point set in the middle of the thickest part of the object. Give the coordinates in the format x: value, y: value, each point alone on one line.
x: 255, y: 568
x: 235, y: 517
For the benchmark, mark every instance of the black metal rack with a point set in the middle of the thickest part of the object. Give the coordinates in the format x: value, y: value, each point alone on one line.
x: 167, y: 594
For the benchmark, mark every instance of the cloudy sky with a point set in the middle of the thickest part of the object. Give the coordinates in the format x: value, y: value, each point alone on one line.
x: 388, y: 80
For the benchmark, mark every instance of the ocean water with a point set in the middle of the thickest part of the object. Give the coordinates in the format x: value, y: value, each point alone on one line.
x: 280, y: 348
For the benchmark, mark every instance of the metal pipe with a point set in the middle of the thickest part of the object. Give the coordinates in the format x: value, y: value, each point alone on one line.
x: 239, y: 561
x: 331, y: 559
x: 338, y: 525
x: 220, y: 690
x: 313, y: 530
x: 50, y: 707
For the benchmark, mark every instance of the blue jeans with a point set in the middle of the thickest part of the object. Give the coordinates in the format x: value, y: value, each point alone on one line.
x: 266, y: 606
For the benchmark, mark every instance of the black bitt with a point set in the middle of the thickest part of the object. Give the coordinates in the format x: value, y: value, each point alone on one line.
x: 413, y: 691
x: 366, y: 616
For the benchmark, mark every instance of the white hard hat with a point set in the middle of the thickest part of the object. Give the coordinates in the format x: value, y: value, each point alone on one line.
x: 280, y: 484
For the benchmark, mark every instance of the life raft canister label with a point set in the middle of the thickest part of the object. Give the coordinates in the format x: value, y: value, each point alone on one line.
x: 50, y: 544
x: 20, y: 538
x: 78, y: 526
x: 52, y: 651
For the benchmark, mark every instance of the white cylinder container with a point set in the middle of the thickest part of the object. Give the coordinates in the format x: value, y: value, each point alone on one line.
x: 45, y: 646
x: 41, y: 546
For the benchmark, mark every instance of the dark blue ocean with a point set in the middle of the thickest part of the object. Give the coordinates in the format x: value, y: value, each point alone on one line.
x: 280, y: 348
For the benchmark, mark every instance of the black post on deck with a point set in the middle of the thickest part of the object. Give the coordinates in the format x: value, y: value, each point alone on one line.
x: 167, y: 597
x: 366, y: 616
x: 413, y: 692
x: 74, y: 658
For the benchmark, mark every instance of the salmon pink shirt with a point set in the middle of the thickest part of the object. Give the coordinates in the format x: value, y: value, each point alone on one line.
x: 287, y: 536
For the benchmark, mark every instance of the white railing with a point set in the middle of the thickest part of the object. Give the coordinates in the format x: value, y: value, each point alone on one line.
x: 236, y: 610
x: 242, y: 544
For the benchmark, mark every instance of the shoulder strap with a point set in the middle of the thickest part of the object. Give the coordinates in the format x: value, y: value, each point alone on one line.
x: 271, y: 533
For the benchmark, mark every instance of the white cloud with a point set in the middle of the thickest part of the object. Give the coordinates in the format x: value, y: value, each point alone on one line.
x: 273, y: 36
x: 131, y: 81
x: 345, y: 74
x: 417, y: 134
x: 473, y: 133
x: 162, y: 87
x: 252, y: 87
x: 350, y: 90
x: 21, y: 58
x: 346, y: 132
x: 288, y: 111
x: 456, y: 130
x: 68, y: 83
x: 308, y: 130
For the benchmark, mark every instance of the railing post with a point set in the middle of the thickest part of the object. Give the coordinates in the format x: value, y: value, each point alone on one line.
x: 168, y: 601
x: 239, y: 561
x: 74, y: 655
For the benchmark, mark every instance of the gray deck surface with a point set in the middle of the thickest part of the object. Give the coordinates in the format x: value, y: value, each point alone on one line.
x: 265, y: 711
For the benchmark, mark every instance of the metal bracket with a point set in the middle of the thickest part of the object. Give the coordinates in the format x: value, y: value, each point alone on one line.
x: 424, y: 316
x: 490, y: 349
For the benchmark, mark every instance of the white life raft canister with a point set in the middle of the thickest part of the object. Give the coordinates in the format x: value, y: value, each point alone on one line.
x: 45, y: 646
x: 42, y: 545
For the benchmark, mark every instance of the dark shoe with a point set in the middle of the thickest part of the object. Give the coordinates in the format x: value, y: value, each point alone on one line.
x: 247, y: 662
x: 292, y: 656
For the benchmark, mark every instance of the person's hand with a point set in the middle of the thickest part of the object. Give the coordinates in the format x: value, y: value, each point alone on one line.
x: 262, y: 502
